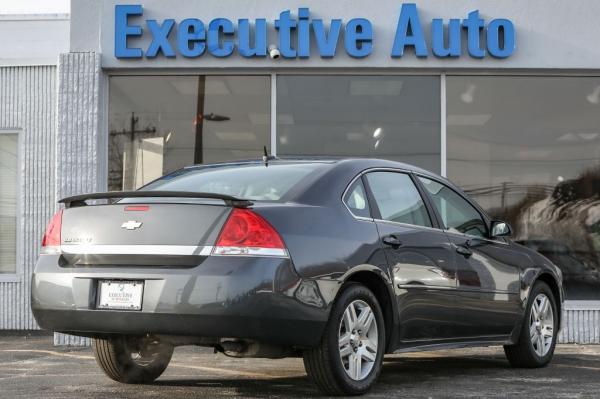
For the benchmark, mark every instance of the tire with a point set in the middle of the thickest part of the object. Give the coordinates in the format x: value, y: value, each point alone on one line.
x: 132, y: 360
x: 329, y: 365
x: 531, y: 351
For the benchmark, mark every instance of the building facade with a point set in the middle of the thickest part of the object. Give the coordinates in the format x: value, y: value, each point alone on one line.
x: 503, y: 98
x: 29, y: 49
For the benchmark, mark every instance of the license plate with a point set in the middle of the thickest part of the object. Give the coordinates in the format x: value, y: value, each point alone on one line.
x: 121, y: 295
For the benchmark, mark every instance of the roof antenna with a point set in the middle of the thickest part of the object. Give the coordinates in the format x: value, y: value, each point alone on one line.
x: 266, y: 157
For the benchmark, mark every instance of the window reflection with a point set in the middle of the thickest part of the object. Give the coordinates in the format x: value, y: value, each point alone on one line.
x: 158, y: 124
x: 397, y: 198
x: 356, y: 200
x: 528, y: 150
x: 458, y: 216
x: 392, y: 117
x: 8, y: 202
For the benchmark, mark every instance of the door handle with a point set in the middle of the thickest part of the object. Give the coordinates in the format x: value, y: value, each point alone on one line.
x: 464, y: 251
x: 391, y: 240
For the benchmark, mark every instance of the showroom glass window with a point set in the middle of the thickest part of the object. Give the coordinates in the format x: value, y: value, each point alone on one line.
x: 8, y: 202
x: 158, y: 124
x: 528, y: 150
x: 392, y: 117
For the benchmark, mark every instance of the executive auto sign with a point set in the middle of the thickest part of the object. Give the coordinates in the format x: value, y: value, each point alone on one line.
x: 221, y: 37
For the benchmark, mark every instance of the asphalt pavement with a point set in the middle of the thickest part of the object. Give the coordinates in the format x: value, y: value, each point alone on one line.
x: 33, y: 368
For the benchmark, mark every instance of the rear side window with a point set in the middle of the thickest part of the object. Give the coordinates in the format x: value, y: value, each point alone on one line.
x: 356, y: 199
x: 398, y: 199
x: 246, y: 181
x: 456, y: 212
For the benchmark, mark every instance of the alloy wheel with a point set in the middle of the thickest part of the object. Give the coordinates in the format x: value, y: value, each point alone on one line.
x: 144, y: 351
x: 541, y: 325
x: 358, y: 340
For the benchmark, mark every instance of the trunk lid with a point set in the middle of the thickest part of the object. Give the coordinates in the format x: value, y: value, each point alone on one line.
x: 159, y: 234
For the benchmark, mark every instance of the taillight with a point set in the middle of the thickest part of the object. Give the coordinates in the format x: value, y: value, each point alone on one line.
x: 137, y: 208
x: 51, y: 240
x: 247, y: 233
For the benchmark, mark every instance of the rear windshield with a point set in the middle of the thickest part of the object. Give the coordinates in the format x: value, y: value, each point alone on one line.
x: 248, y: 181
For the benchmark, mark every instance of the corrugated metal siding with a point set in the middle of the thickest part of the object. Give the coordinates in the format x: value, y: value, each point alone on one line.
x: 81, y: 134
x: 28, y: 105
x: 70, y: 340
x: 581, y: 323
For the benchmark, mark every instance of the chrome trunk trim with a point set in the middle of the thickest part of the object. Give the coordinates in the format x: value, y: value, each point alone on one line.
x: 178, y: 250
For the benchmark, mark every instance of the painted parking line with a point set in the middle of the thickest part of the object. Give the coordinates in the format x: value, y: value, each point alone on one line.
x: 44, y: 376
x: 574, y: 366
x: 212, y: 370
x: 47, y: 352
x: 250, y: 374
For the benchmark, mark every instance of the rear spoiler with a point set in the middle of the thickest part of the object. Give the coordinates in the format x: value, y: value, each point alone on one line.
x: 80, y: 200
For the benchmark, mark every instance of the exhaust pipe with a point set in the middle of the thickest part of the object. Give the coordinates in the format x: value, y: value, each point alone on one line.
x: 241, y: 348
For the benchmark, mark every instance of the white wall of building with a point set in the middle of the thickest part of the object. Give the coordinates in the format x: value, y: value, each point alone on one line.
x: 33, y: 39
x: 550, y: 34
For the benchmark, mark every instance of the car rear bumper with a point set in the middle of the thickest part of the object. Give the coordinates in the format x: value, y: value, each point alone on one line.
x: 255, y: 298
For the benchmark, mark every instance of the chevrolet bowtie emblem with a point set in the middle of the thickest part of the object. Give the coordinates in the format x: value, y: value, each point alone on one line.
x: 131, y: 225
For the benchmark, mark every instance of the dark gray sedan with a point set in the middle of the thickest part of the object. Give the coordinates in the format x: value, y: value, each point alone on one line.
x: 337, y: 261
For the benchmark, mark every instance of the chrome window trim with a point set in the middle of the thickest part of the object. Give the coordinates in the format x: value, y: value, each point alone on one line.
x: 407, y: 172
x: 427, y: 176
x: 409, y: 225
x: 442, y: 231
x: 379, y: 169
x: 470, y: 236
x: 363, y: 218
x: 470, y: 202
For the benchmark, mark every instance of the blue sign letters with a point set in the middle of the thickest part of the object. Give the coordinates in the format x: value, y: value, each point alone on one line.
x: 300, y: 36
x: 160, y: 41
x: 190, y: 38
x: 409, y: 33
x: 123, y: 30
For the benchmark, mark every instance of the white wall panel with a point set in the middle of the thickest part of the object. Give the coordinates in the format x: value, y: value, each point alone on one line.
x: 28, y: 106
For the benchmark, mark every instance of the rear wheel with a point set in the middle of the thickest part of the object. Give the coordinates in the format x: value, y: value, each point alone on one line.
x: 132, y: 360
x: 537, y: 340
x: 349, y: 357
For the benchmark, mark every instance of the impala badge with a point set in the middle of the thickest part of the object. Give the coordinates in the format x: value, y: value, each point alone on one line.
x: 131, y: 225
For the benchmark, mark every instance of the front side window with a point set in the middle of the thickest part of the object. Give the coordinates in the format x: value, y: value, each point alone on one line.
x: 356, y: 200
x: 8, y: 203
x: 457, y: 214
x: 398, y: 199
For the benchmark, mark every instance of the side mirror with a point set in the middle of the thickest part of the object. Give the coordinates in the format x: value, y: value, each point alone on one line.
x: 500, y: 229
